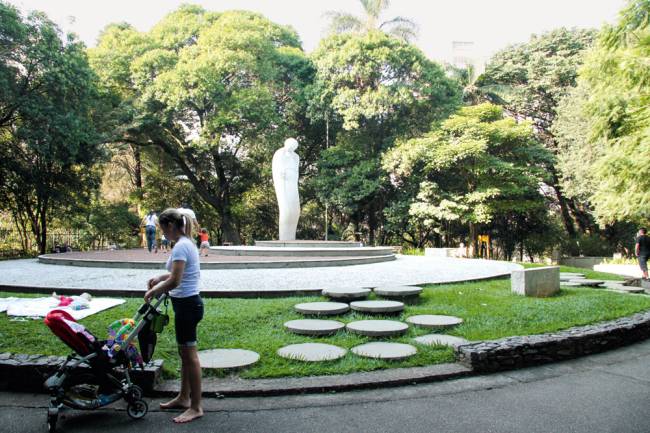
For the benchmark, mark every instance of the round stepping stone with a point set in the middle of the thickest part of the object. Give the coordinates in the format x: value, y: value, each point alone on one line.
x: 440, y: 340
x: 434, y: 321
x: 377, y: 306
x: 380, y: 350
x: 571, y: 277
x: 397, y: 291
x: 312, y: 352
x: 628, y: 289
x: 574, y: 274
x: 314, y: 326
x: 377, y: 328
x: 346, y: 293
x: 570, y: 284
x: 588, y: 283
x: 322, y: 308
x: 227, y: 358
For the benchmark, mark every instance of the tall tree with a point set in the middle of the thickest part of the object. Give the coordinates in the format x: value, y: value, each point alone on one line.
x: 48, y: 110
x: 217, y: 92
x: 399, y: 27
x: 614, y: 111
x: 540, y: 73
x: 476, y: 167
x: 373, y: 89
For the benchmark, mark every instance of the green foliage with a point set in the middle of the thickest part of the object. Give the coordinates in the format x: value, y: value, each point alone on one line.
x: 398, y: 27
x: 616, y: 78
x: 49, y: 110
x: 373, y: 89
x: 217, y: 92
x: 476, y: 167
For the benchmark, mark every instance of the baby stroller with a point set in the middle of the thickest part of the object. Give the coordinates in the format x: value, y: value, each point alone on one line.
x: 97, y: 374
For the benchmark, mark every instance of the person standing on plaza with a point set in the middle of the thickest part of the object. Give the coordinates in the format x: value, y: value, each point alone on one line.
x: 150, y: 222
x: 642, y: 250
x: 205, y: 242
x: 182, y: 283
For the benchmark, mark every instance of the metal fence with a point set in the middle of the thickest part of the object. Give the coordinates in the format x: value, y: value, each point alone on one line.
x: 11, y: 243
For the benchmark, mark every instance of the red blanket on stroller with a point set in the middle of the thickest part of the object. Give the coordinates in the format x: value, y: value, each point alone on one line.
x: 74, y: 334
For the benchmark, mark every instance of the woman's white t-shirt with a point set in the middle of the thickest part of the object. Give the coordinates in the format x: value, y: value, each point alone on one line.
x: 186, y: 251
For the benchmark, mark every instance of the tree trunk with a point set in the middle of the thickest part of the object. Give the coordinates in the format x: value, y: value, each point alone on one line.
x: 564, y: 209
x: 473, y: 240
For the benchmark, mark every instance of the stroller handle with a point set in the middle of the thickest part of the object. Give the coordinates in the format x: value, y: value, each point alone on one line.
x: 141, y: 316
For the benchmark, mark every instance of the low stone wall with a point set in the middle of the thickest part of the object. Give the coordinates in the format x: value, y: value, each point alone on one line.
x: 28, y: 372
x: 518, y: 352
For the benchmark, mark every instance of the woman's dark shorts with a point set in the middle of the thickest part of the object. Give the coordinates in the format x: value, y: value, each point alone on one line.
x: 188, y: 312
x: 643, y: 263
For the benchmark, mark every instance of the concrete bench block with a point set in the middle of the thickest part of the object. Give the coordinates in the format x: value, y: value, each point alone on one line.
x: 536, y: 282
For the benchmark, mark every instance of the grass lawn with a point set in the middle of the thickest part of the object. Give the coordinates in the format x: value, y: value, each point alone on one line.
x: 489, y: 309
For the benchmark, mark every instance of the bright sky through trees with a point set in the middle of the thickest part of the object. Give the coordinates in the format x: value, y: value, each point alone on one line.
x: 491, y: 24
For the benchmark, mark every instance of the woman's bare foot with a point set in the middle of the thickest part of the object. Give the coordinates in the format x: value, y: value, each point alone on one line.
x: 189, y: 415
x: 176, y: 403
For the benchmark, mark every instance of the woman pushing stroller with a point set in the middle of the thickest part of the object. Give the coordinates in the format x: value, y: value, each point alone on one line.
x: 182, y: 284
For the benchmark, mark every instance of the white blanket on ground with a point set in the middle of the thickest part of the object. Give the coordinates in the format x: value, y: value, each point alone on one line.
x: 39, y: 307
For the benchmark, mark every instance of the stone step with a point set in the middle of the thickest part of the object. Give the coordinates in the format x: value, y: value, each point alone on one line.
x: 301, y: 251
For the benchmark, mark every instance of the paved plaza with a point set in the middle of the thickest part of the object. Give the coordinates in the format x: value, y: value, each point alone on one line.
x: 406, y: 270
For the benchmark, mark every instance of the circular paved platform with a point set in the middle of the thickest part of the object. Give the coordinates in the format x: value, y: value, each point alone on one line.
x: 322, y: 308
x: 377, y: 328
x: 434, y: 321
x: 381, y: 350
x: 377, y: 307
x: 314, y: 326
x: 312, y: 352
x: 227, y: 358
x: 29, y: 275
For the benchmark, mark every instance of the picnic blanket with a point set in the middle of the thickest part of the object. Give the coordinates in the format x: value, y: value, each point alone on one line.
x: 39, y: 307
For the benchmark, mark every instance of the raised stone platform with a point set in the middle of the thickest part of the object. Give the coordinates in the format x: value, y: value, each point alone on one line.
x: 225, y: 258
x: 309, y: 244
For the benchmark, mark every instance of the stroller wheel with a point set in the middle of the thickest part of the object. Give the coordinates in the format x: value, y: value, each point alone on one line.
x: 137, y: 409
x: 134, y: 393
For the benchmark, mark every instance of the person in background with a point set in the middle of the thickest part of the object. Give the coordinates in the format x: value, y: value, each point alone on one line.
x: 205, y: 242
x: 164, y: 244
x: 150, y: 222
x: 183, y: 285
x: 642, y: 250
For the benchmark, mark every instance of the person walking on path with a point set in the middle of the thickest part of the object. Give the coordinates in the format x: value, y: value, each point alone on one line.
x: 150, y: 221
x: 642, y: 250
x: 205, y: 242
x: 182, y: 283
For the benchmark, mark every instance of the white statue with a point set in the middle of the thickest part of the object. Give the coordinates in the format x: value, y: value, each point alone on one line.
x: 285, y: 181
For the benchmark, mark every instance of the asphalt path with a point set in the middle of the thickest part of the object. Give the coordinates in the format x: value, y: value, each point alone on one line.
x: 609, y: 392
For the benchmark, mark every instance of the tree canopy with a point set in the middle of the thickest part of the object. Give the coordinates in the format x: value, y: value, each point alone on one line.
x: 214, y: 91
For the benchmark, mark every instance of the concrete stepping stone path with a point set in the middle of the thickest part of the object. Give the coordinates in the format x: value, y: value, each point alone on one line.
x: 227, y: 358
x: 377, y: 328
x: 314, y: 326
x: 434, y: 321
x: 312, y: 352
x: 322, y: 308
x: 346, y: 293
x: 381, y: 350
x: 397, y: 291
x: 377, y: 306
x: 440, y: 340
